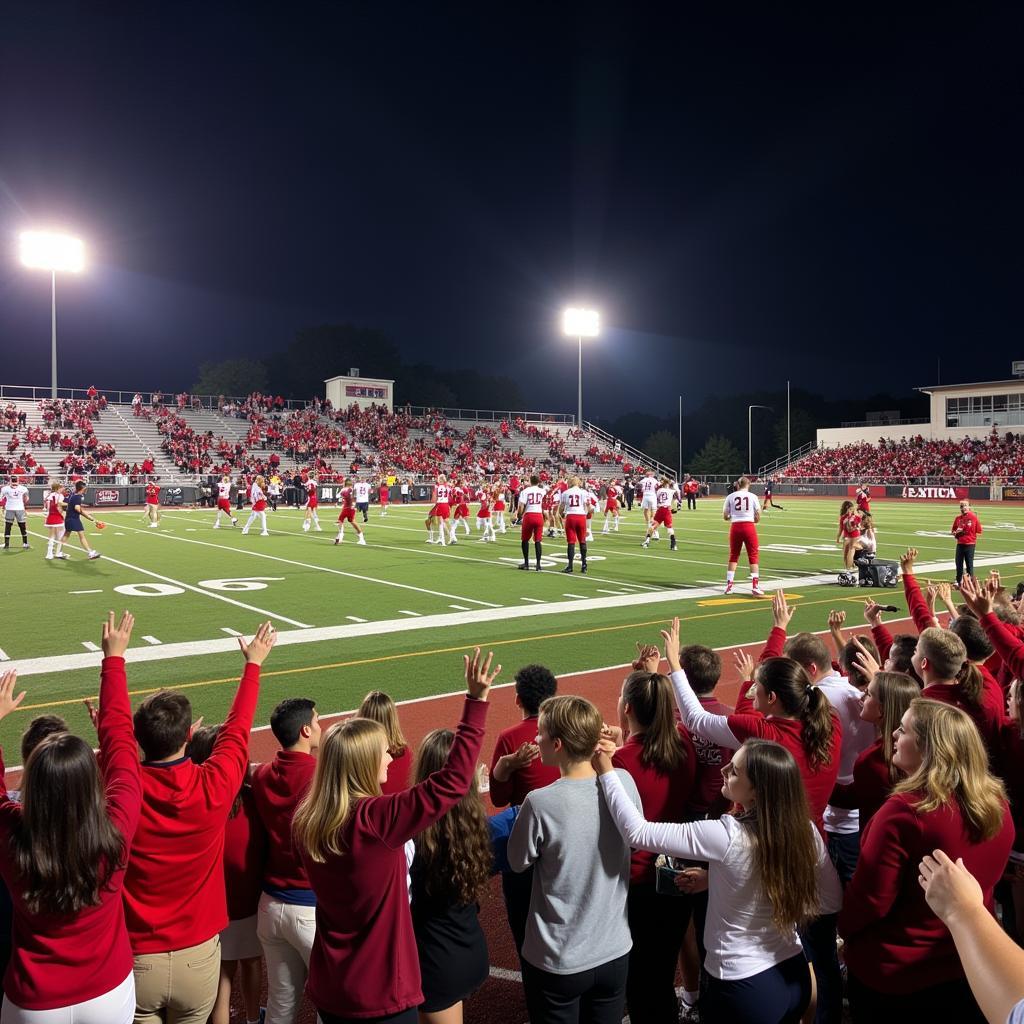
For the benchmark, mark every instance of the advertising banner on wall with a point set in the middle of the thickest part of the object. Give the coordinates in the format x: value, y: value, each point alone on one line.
x: 875, y: 490
x: 1013, y: 493
x: 108, y: 496
x: 934, y: 493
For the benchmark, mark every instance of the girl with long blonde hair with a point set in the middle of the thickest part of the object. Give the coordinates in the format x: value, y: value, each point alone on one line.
x: 364, y: 963
x: 379, y: 707
x: 900, y: 957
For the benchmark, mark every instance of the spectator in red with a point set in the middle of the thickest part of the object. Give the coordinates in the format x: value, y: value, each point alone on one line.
x: 966, y: 529
x: 380, y: 708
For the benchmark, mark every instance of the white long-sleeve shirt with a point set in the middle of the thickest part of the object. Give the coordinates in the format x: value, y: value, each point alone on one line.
x: 739, y: 935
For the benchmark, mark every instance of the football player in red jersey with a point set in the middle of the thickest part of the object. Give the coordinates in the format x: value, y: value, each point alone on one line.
x: 347, y: 501
x: 662, y: 514
x: 153, y: 504
x: 224, y: 502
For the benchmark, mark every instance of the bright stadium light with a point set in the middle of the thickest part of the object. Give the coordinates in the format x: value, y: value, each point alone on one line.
x: 45, y: 250
x: 579, y: 324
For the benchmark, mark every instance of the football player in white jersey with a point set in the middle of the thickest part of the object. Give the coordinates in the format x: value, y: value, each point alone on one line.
x: 648, y: 488
x: 575, y: 504
x: 531, y: 518
x: 742, y: 511
x: 662, y: 514
x: 224, y: 502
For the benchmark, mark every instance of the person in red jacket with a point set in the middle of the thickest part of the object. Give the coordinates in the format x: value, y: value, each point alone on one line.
x: 901, y: 959
x: 966, y: 528
x: 516, y: 769
x: 365, y: 964
x: 174, y: 898
x: 63, y: 852
x: 379, y: 707
x: 286, y: 918
x: 245, y: 854
x: 658, y: 753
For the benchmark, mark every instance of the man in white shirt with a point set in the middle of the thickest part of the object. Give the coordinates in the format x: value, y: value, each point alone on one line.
x: 362, y: 492
x: 531, y: 517
x: 13, y: 496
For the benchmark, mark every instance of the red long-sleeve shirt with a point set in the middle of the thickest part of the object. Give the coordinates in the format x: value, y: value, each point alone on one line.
x: 364, y: 961
x: 871, y: 784
x: 58, y: 960
x: 245, y: 854
x: 706, y: 798
x: 398, y: 773
x: 278, y: 788
x: 535, y: 775
x: 894, y: 943
x: 1007, y: 643
x: 664, y: 796
x: 966, y: 528
x: 918, y: 606
x: 1010, y: 768
x: 174, y: 887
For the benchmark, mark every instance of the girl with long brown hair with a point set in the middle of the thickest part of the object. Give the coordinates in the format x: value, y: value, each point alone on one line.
x: 886, y: 700
x: 379, y: 707
x: 901, y: 959
x: 769, y: 875
x: 660, y: 757
x: 63, y: 853
x: 364, y: 964
x: 452, y: 865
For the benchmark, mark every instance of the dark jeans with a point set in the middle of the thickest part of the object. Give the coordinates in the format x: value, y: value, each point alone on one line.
x: 964, y: 559
x: 409, y: 1016
x: 819, y: 942
x: 596, y: 996
x: 950, y: 1001
x: 658, y: 924
x: 844, y: 849
x: 776, y: 996
x: 691, y: 501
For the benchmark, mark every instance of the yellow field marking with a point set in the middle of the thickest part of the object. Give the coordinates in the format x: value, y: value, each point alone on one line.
x: 713, y: 602
x: 461, y: 648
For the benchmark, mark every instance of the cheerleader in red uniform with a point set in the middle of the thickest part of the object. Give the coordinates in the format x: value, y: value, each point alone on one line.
x: 53, y: 506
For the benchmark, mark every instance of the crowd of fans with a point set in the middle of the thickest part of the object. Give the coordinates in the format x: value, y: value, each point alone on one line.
x: 875, y: 792
x: 917, y: 460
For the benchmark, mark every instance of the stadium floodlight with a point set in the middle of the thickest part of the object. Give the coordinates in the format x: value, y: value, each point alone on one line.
x: 45, y: 250
x: 579, y: 324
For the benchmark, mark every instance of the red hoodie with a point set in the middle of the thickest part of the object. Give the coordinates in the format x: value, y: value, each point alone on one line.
x: 174, y: 888
x: 278, y: 788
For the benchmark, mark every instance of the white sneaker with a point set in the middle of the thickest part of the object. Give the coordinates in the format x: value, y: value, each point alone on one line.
x: 645, y: 544
x: 92, y: 555
x: 590, y: 537
x: 430, y: 540
x: 362, y: 539
x: 305, y: 527
x: 62, y: 556
x: 245, y: 531
x: 49, y: 558
x: 265, y: 533
x: 728, y: 587
x: 757, y: 592
x: 216, y: 526
x: 153, y: 526
x: 319, y: 529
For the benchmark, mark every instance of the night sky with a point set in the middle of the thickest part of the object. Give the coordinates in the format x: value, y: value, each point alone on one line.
x: 830, y: 196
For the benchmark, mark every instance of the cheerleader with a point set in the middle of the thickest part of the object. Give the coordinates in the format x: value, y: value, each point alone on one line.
x: 258, y: 499
x: 312, y: 504
x: 54, y: 506
x: 499, y: 507
x: 483, y: 515
x: 611, y: 506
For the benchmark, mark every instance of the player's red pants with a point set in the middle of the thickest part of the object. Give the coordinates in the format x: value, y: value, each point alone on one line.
x: 443, y: 511
x: 611, y: 505
x: 663, y: 517
x: 347, y: 515
x: 743, y: 535
x: 533, y: 526
x: 224, y: 505
x: 576, y: 529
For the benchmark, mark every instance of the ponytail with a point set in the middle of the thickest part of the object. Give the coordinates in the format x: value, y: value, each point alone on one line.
x: 817, y: 731
x: 971, y: 683
x: 649, y: 696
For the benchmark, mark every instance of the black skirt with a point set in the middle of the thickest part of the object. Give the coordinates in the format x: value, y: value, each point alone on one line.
x: 453, y: 952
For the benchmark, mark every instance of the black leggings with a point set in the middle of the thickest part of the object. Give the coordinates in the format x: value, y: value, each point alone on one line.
x: 596, y: 996
x: 658, y: 924
x: 951, y: 1001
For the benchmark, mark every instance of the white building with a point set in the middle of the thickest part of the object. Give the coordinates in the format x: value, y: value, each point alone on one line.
x: 363, y: 391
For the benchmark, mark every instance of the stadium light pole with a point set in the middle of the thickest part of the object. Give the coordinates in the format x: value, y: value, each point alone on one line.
x: 579, y: 324
x: 44, y: 250
x: 750, y: 437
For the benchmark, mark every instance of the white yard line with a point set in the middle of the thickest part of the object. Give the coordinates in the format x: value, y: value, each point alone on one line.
x: 230, y: 632
x: 200, y: 590
x: 69, y: 662
x: 3, y: 655
x: 152, y: 640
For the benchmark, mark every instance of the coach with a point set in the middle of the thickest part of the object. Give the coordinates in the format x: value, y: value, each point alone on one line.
x: 966, y: 529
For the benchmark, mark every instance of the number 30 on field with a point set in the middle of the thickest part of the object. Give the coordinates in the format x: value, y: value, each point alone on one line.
x: 241, y: 583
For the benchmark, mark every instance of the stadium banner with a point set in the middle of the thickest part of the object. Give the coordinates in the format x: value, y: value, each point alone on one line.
x: 929, y: 493
x: 874, y: 490
x: 1013, y: 493
x: 107, y: 496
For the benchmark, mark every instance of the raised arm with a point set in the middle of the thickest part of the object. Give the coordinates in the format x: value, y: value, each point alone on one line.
x: 919, y: 611
x: 698, y: 720
x: 781, y: 614
x: 700, y: 840
x: 979, y: 597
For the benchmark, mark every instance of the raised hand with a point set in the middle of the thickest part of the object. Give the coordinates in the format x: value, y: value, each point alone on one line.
x: 115, y: 638
x: 479, y: 677
x: 907, y: 561
x: 872, y: 612
x: 8, y: 701
x: 976, y: 596
x: 94, y: 712
x: 781, y: 612
x: 671, y: 638
x: 744, y: 665
x: 931, y: 592
x: 257, y: 649
x: 865, y: 659
x: 524, y: 756
x: 613, y: 733
x: 601, y: 759
x: 648, y: 657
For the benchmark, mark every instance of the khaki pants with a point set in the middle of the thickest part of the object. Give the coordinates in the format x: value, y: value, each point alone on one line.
x: 286, y: 933
x: 179, y: 987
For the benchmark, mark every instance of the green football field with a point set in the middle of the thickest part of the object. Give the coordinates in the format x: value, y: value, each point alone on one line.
x: 397, y: 614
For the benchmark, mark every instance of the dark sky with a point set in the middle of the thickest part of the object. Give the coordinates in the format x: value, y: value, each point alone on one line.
x: 830, y: 196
